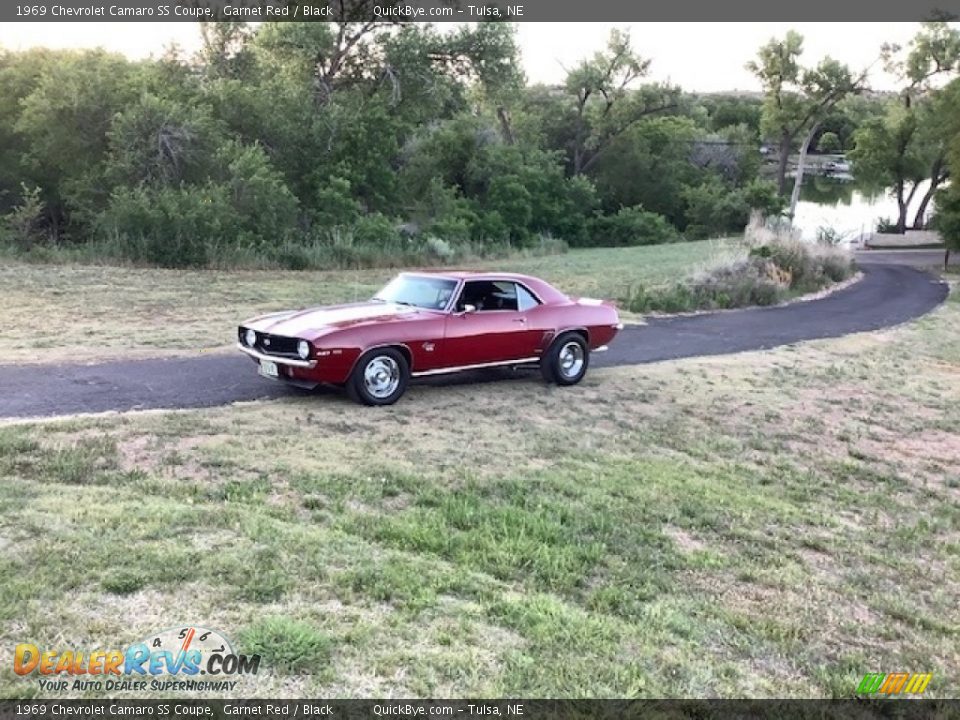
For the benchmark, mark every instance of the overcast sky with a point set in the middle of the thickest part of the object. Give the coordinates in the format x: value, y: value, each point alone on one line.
x: 697, y: 56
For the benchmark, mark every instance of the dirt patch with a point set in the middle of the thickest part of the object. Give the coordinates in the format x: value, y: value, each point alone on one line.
x: 684, y: 540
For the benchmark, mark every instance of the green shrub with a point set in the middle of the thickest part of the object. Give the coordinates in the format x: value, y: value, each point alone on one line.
x: 836, y: 266
x: 265, y: 209
x: 947, y: 218
x: 830, y: 236
x: 886, y: 225
x: 631, y: 226
x: 791, y: 256
x: 335, y: 204
x: 440, y: 248
x: 171, y: 227
x: 781, y: 268
x: 123, y: 583
x: 744, y: 282
x: 23, y: 225
x: 247, y: 209
x: 376, y: 229
x: 829, y: 142
x: 287, y: 646
x: 713, y: 209
x: 762, y: 196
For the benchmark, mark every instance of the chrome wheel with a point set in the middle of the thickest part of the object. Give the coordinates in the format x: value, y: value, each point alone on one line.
x: 570, y: 359
x: 381, y: 376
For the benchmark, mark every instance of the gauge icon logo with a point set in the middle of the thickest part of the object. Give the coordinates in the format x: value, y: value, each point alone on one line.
x: 187, y: 638
x: 188, y: 650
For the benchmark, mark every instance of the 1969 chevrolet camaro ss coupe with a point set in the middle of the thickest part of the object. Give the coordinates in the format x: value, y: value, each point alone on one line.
x: 431, y: 323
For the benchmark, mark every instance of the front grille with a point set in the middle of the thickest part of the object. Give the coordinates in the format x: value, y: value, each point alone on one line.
x: 273, y: 344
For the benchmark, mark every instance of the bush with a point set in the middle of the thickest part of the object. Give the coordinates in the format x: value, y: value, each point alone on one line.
x: 24, y: 223
x: 829, y: 142
x: 376, y: 229
x: 266, y: 210
x: 287, y: 645
x: 947, y: 218
x: 171, y: 227
x: 762, y: 196
x: 830, y: 236
x: 713, y: 209
x: 631, y: 226
x: 744, y: 282
x: 837, y: 266
x: 439, y: 248
x: 886, y: 225
x: 772, y: 271
x: 790, y: 256
x: 248, y: 208
x: 335, y: 204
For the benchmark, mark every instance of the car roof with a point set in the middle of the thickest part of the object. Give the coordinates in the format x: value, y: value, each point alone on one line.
x: 473, y: 275
x: 544, y: 290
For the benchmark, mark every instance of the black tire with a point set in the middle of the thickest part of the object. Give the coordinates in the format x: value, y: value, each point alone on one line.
x: 387, y: 364
x: 566, y: 360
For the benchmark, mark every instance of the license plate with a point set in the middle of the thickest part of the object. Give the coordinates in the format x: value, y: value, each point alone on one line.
x: 269, y: 369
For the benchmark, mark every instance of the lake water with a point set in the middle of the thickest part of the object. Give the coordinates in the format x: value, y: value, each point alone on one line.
x: 847, y: 207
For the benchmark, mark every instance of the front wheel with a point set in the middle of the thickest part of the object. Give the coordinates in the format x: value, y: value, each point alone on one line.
x: 380, y: 377
x: 567, y: 359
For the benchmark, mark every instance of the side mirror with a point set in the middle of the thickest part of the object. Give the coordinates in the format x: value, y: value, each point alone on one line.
x: 467, y: 309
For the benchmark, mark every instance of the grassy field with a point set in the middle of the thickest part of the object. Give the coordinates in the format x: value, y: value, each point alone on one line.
x: 767, y: 524
x: 67, y: 313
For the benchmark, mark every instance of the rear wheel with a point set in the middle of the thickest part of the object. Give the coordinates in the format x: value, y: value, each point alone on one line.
x: 567, y: 359
x: 380, y: 377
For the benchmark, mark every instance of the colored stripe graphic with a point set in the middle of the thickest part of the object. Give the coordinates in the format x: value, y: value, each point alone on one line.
x: 894, y: 683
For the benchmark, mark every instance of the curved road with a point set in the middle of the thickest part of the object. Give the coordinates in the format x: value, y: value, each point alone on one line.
x: 888, y: 294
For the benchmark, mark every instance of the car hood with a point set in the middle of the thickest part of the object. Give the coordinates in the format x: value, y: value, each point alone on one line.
x: 311, y: 322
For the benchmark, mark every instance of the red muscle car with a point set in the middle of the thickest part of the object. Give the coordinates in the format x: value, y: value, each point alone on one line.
x: 430, y: 323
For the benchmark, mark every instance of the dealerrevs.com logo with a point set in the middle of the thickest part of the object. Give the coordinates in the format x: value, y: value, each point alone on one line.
x: 166, y: 661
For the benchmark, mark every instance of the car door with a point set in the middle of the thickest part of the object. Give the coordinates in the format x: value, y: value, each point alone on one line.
x: 496, y: 331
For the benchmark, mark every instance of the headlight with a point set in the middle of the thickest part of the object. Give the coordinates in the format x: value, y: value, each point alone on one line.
x: 303, y: 349
x: 251, y: 338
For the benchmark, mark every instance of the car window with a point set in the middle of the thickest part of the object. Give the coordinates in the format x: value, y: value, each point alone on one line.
x: 487, y: 295
x: 525, y: 299
x: 418, y: 291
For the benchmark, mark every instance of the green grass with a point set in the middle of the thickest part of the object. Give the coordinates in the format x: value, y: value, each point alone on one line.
x: 766, y: 524
x: 70, y: 313
x: 287, y: 644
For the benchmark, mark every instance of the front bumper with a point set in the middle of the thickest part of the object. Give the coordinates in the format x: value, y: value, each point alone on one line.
x: 309, y: 364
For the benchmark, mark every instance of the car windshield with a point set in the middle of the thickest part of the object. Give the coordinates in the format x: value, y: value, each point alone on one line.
x: 419, y: 291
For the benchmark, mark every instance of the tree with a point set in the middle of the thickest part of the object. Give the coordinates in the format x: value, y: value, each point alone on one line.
x: 65, y: 119
x: 225, y: 49
x: 829, y: 142
x: 947, y: 217
x: 939, y: 125
x: 894, y: 152
x: 933, y: 51
x: 19, y: 75
x: 726, y: 111
x: 796, y: 97
x: 649, y: 165
x: 909, y: 146
x: 604, y: 107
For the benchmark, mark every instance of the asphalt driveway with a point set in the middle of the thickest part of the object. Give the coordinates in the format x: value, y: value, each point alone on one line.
x: 888, y: 294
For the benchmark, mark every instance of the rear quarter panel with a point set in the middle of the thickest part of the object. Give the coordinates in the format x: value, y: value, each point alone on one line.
x: 598, y: 320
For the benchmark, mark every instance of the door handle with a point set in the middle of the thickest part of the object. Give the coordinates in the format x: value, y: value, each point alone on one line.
x: 520, y: 320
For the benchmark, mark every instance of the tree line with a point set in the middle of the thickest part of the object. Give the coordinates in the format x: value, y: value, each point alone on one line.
x: 316, y: 144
